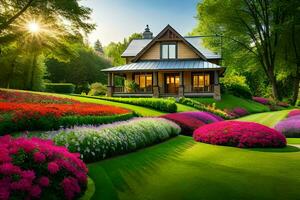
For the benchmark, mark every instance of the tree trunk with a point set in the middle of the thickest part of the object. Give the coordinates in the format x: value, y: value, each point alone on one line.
x: 34, y: 63
x: 296, y: 90
x: 273, y: 82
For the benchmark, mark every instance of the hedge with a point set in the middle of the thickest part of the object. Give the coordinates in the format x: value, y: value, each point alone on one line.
x: 97, y: 143
x: 165, y: 105
x: 45, y: 123
x: 64, y: 88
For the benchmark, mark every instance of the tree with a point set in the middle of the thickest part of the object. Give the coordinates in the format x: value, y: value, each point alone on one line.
x: 98, y: 47
x: 249, y: 27
x: 115, y: 50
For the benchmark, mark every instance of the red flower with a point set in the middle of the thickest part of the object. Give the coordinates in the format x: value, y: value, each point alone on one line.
x: 53, y: 168
x: 39, y: 157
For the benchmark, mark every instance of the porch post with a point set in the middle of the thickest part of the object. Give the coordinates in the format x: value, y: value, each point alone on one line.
x: 217, y: 89
x: 181, y: 85
x: 155, y: 85
x: 110, y: 87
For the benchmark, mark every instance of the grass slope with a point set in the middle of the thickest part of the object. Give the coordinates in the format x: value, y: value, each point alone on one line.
x: 229, y: 102
x: 183, y: 169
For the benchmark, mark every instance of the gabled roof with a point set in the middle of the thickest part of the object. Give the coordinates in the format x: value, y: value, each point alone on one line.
x: 166, y: 65
x: 136, y: 46
x: 176, y: 34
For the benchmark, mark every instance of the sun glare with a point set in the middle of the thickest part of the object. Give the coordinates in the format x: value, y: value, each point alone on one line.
x: 33, y: 27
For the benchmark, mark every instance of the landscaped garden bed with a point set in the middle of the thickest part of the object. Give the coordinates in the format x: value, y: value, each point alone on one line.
x: 21, y: 111
x: 290, y: 126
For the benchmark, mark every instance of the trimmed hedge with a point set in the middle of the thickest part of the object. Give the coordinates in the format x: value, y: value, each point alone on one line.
x: 8, y: 125
x: 166, y: 105
x: 97, y: 143
x: 64, y: 88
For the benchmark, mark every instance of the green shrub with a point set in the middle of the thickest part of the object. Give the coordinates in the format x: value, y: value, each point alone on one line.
x: 64, y: 88
x: 97, y: 89
x: 236, y: 85
x: 203, y: 107
x: 97, y: 143
x: 165, y: 105
x: 45, y: 123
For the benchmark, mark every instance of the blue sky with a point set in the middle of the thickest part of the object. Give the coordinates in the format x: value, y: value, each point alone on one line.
x: 117, y: 19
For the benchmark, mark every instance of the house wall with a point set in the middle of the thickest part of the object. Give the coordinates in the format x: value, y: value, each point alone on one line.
x: 184, y: 52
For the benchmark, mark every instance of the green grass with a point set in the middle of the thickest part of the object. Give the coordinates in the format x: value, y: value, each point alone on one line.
x: 183, y: 169
x: 268, y: 118
x: 229, y: 102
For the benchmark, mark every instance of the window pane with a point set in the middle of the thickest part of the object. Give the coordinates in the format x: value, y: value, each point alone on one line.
x: 172, y: 51
x: 207, y: 79
x: 136, y: 79
x: 142, y: 81
x: 195, y: 81
x: 149, y: 80
x: 164, y: 52
x: 201, y: 80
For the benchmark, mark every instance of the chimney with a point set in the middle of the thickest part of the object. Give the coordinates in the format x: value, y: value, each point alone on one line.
x: 147, y: 33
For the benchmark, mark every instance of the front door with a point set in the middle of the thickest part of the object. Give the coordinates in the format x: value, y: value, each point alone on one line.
x: 171, y: 83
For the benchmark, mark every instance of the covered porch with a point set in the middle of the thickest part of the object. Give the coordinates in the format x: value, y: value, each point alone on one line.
x: 190, y: 82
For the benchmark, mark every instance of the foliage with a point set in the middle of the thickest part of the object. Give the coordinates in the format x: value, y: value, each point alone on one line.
x: 97, y: 89
x: 131, y: 86
x: 155, y: 103
x: 230, y: 102
x: 190, y: 121
x: 200, y: 106
x: 37, y: 169
x: 64, y: 88
x: 97, y: 143
x: 98, y: 47
x: 239, y: 134
x: 236, y: 85
x: 115, y: 50
x: 237, y: 112
x: 290, y: 127
x: 294, y: 113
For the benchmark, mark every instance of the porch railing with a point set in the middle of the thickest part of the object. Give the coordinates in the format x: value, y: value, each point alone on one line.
x: 204, y: 89
x: 121, y: 89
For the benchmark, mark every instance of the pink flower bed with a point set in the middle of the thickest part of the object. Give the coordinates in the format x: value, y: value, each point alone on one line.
x: 36, y: 169
x: 189, y: 121
x: 294, y: 113
x: 261, y: 100
x: 239, y: 134
x: 238, y: 112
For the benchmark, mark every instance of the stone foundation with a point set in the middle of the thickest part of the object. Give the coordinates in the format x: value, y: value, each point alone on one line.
x: 217, y: 92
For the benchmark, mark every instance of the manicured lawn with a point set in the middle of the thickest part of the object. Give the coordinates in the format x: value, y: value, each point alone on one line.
x: 268, y: 118
x: 183, y: 169
x: 229, y: 102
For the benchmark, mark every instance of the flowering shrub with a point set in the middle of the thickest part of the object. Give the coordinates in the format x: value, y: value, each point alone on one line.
x: 239, y: 134
x: 294, y: 113
x: 96, y: 143
x: 203, y: 107
x: 37, y: 169
x: 262, y: 100
x: 189, y: 121
x: 290, y: 127
x: 283, y: 104
x: 238, y: 112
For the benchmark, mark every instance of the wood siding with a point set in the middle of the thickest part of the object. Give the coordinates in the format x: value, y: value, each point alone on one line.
x: 184, y: 52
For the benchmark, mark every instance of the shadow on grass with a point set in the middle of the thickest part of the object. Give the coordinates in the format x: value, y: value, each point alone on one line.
x: 116, y: 172
x: 287, y: 149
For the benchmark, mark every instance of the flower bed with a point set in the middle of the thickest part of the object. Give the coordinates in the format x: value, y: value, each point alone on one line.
x: 290, y: 126
x: 239, y: 134
x: 237, y: 112
x: 20, y: 111
x: 97, y: 143
x: 262, y: 100
x: 161, y: 104
x: 189, y: 121
x: 37, y: 169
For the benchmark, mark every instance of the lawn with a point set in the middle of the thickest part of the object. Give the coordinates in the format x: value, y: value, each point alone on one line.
x: 229, y: 102
x: 183, y: 169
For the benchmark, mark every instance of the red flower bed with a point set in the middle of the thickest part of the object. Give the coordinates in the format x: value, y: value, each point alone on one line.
x: 239, y: 134
x: 36, y: 110
x: 189, y: 121
x: 262, y: 100
x: 37, y: 169
x: 294, y: 113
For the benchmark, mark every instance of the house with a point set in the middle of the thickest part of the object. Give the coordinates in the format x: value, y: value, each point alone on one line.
x: 167, y: 65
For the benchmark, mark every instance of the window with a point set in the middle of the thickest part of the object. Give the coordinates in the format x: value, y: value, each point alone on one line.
x: 168, y: 51
x: 201, y: 82
x: 144, y: 81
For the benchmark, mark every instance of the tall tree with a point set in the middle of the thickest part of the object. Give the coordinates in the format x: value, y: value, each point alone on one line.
x: 251, y: 25
x: 98, y: 47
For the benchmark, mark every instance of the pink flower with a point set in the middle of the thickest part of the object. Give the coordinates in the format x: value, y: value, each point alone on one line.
x: 9, y: 169
x: 44, y: 181
x: 39, y: 157
x: 70, y: 186
x: 53, y: 168
x: 35, y: 191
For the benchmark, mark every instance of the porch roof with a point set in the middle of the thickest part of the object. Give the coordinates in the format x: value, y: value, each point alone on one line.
x: 165, y: 65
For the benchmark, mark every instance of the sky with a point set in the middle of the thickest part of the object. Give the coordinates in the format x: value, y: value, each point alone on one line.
x: 117, y: 19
